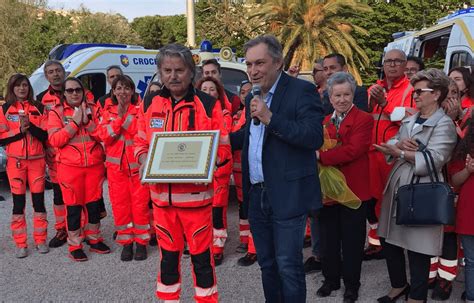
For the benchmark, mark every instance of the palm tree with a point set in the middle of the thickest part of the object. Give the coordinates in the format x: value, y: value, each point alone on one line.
x: 311, y: 29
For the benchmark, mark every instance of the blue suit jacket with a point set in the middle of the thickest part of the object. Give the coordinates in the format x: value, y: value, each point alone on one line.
x: 289, y: 145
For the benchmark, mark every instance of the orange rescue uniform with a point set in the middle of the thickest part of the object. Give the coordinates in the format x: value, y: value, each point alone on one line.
x: 128, y: 196
x: 183, y: 209
x: 80, y: 161
x: 25, y: 165
x: 399, y: 95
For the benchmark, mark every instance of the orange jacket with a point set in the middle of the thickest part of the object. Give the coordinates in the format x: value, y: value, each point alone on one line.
x: 238, y: 122
x: 117, y: 133
x: 28, y: 145
x: 399, y: 95
x: 197, y: 111
x: 78, y: 145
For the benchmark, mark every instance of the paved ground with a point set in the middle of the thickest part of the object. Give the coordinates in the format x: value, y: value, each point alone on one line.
x: 104, y: 278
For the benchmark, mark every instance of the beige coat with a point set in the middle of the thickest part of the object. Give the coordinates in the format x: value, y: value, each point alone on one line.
x: 438, y: 133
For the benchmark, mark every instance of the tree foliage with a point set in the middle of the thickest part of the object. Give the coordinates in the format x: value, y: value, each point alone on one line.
x: 156, y: 31
x: 311, y: 29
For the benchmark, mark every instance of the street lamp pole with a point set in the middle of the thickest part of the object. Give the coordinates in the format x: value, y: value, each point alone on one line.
x: 190, y: 23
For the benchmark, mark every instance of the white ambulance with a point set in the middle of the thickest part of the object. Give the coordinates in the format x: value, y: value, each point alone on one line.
x: 89, y: 62
x: 451, y: 40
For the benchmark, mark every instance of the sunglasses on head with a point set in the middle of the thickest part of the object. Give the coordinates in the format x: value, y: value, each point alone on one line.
x: 71, y: 91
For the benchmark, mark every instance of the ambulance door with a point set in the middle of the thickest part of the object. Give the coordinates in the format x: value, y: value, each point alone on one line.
x: 459, y: 52
x: 432, y: 47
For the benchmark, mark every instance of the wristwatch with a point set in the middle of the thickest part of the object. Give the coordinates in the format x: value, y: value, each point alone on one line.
x: 402, y: 154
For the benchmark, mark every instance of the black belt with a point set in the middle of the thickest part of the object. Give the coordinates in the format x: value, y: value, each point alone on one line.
x: 260, y: 185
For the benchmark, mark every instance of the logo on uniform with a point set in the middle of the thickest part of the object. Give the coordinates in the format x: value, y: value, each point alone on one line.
x: 13, y: 118
x: 157, y: 123
x: 181, y: 147
x: 124, y: 60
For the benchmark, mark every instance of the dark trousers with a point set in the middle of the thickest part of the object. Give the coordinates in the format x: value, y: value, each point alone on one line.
x: 343, y: 229
x: 279, y: 250
x: 419, y: 265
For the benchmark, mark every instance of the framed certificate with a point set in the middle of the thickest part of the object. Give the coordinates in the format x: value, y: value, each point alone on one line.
x: 181, y: 157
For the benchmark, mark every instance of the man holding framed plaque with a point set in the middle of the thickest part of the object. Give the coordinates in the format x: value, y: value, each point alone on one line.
x: 279, y: 173
x: 182, y: 195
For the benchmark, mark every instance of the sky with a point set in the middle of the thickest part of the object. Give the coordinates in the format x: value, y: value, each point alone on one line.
x: 128, y: 8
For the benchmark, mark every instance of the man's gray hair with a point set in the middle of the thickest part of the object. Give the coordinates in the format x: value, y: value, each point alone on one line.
x: 341, y: 78
x: 176, y: 50
x: 52, y: 62
x: 399, y: 51
x: 113, y: 67
x: 275, y: 49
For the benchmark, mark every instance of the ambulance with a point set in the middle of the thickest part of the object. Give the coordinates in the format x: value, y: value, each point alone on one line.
x: 89, y: 62
x: 450, y: 40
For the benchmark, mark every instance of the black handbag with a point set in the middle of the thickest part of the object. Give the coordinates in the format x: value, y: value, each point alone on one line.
x: 429, y: 203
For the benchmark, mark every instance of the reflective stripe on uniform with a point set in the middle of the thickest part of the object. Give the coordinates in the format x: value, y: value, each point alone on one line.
x: 127, y: 122
x: 123, y: 227
x: 110, y: 130
x: 170, y: 289
x: 142, y: 227
x: 113, y: 160
x: 124, y: 237
x: 143, y: 236
x: 91, y: 126
x: 205, y: 292
x: 183, y: 198
x: 71, y: 130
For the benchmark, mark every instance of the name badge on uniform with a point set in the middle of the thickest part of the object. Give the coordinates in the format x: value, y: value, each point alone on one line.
x: 13, y: 118
x: 157, y: 122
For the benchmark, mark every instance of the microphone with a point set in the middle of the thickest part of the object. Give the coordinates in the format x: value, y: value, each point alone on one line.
x: 256, y: 92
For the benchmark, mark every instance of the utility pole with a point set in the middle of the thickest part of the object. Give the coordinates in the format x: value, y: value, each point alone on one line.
x: 190, y: 22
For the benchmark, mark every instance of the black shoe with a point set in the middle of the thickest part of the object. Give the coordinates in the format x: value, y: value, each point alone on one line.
x: 218, y: 258
x: 59, y: 239
x: 307, y: 241
x: 127, y: 252
x: 141, y: 253
x: 100, y: 248
x: 386, y: 299
x: 442, y: 290
x: 78, y: 255
x: 463, y: 296
x: 247, y: 260
x: 153, y: 241
x: 351, y: 295
x: 114, y: 236
x: 312, y: 265
x: 432, y: 283
x: 327, y: 289
x: 373, y: 252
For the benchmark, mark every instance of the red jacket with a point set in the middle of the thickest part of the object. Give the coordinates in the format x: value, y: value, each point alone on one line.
x: 197, y: 111
x: 399, y: 95
x: 77, y: 145
x: 350, y: 156
x: 28, y: 145
x: 117, y: 133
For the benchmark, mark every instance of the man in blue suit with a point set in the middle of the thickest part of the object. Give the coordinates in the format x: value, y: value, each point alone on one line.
x: 279, y: 172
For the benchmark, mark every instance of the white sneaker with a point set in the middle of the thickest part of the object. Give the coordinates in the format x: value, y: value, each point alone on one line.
x: 42, y: 248
x: 21, y: 252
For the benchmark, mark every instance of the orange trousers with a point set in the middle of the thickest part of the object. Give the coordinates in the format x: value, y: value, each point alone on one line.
x: 129, y: 200
x: 20, y: 173
x: 172, y: 225
x: 219, y: 213
x: 82, y: 188
x: 379, y: 172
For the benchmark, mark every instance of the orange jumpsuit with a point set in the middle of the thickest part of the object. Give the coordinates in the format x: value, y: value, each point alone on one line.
x: 25, y: 165
x: 128, y: 196
x: 183, y: 210
x: 221, y: 191
x: 399, y: 95
x: 80, y: 161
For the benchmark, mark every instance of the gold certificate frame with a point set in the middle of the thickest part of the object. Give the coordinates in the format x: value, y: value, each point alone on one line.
x: 181, y: 157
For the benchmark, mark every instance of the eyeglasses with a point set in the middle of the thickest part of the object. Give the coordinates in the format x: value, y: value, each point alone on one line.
x: 315, y: 71
x: 71, y: 91
x: 396, y: 62
x: 419, y: 91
